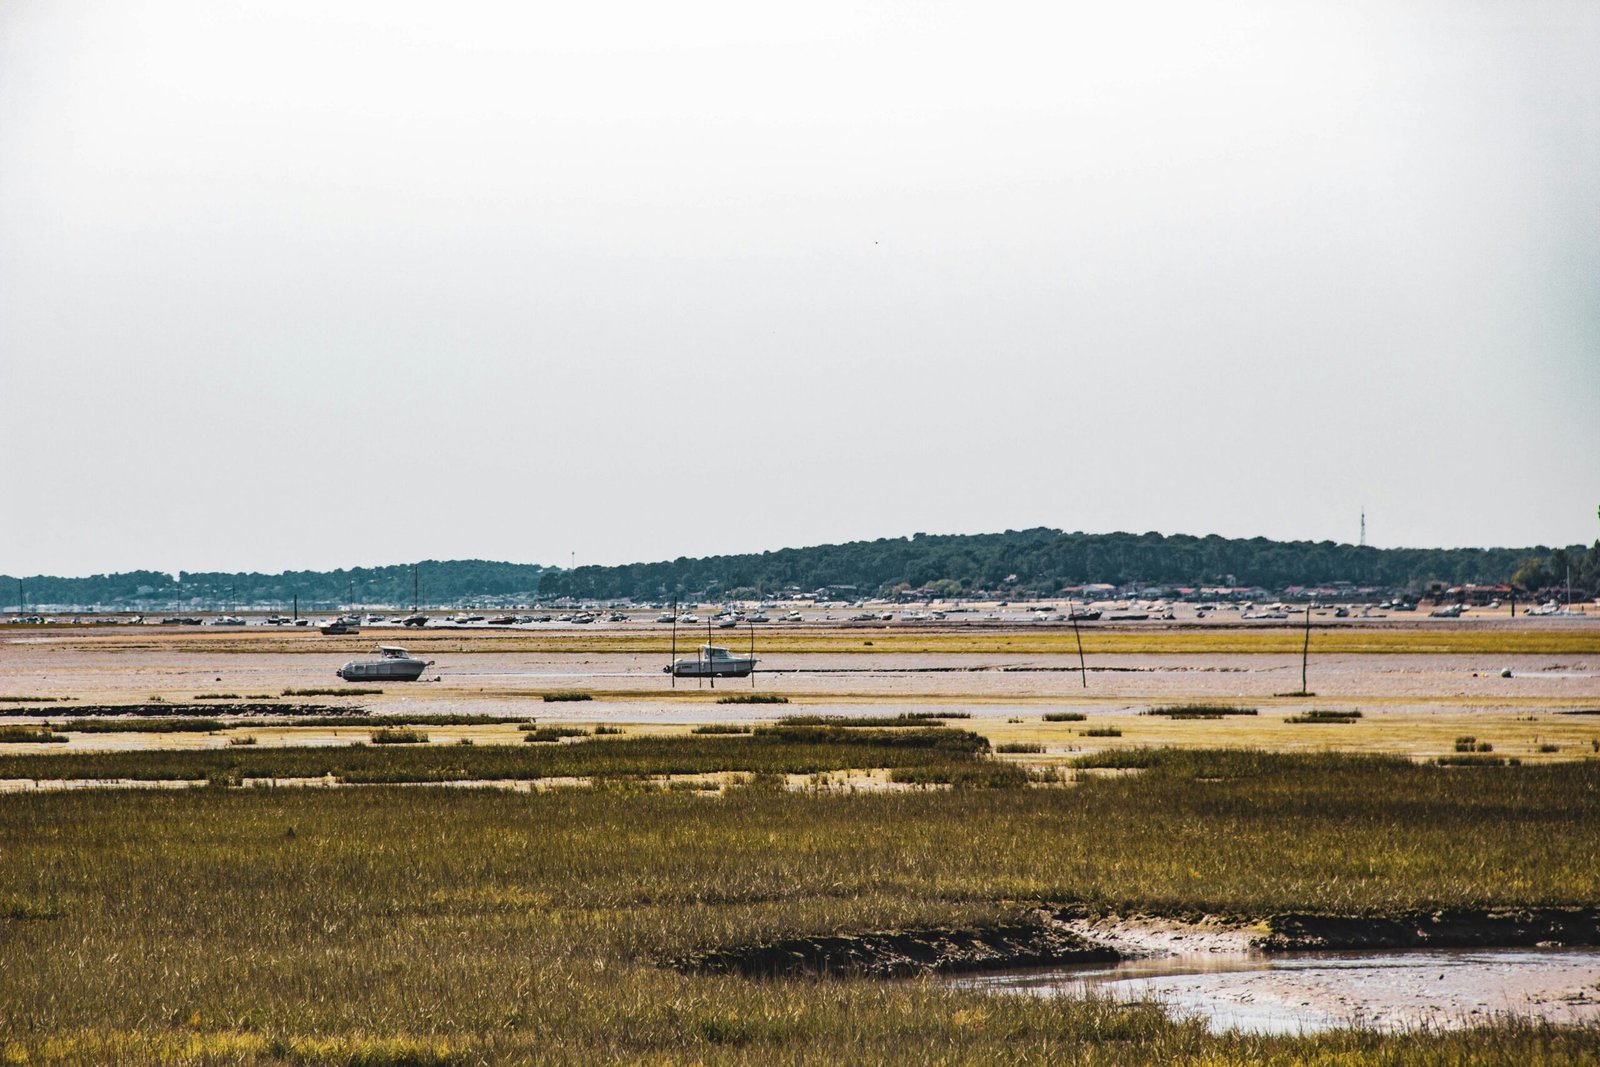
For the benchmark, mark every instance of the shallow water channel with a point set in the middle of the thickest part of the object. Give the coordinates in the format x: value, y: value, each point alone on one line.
x: 1313, y: 991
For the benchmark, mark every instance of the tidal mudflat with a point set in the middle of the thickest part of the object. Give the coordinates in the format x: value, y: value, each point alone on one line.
x: 631, y: 890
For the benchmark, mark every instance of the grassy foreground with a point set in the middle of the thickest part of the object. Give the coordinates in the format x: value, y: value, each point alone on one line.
x: 388, y: 925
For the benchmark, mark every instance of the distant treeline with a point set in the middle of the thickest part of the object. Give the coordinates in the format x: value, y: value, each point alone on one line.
x: 1040, y: 561
x: 440, y: 582
x: 1045, y: 561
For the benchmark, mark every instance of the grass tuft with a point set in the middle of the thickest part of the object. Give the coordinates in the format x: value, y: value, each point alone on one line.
x: 399, y: 735
x: 1199, y: 711
x: 30, y: 735
x: 1325, y: 716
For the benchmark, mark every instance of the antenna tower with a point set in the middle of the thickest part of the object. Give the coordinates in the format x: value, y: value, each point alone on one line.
x: 1363, y: 527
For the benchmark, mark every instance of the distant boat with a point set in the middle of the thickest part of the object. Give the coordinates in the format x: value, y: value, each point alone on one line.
x: 503, y: 620
x: 416, y: 618
x: 392, y: 665
x: 666, y: 617
x: 227, y: 620
x: 340, y: 627
x: 712, y: 662
x: 1452, y: 612
x: 1084, y: 616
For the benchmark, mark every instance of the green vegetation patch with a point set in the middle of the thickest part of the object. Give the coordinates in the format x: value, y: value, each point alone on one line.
x: 399, y: 735
x: 30, y: 735
x: 142, y: 726
x: 753, y: 698
x: 1064, y: 716
x: 347, y: 691
x: 563, y: 695
x: 1199, y: 711
x: 553, y: 733
x: 1324, y: 716
x: 777, y: 750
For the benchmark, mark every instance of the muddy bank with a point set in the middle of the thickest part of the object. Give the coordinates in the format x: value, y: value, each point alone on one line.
x: 187, y: 710
x: 1450, y: 928
x: 1072, y: 937
x: 903, y: 953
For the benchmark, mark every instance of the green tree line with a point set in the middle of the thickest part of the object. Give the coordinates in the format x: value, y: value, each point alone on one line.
x: 1046, y: 561
x: 439, y: 582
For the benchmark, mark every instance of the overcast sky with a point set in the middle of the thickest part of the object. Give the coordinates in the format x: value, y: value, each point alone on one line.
x: 311, y: 284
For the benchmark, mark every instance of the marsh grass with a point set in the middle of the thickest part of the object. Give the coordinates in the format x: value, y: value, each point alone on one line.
x: 242, y: 739
x: 1064, y: 716
x: 1020, y: 747
x: 399, y: 735
x: 1199, y: 711
x: 608, y: 731
x: 562, y: 695
x: 392, y: 926
x: 1102, y: 731
x: 721, y: 728
x: 141, y: 726
x: 753, y: 698
x: 1324, y: 716
x: 30, y: 735
x: 217, y: 696
x: 789, y: 750
x: 553, y: 733
x: 27, y: 700
x: 347, y: 691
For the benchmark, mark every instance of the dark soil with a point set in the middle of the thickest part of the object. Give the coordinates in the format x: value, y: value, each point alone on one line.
x: 1460, y: 928
x: 902, y: 953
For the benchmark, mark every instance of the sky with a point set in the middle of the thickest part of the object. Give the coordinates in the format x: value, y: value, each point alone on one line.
x: 306, y: 285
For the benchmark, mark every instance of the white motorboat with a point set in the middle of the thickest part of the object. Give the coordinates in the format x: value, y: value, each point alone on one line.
x: 392, y: 665
x: 713, y: 661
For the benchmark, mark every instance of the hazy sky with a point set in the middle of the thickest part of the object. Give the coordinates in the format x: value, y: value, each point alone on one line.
x: 307, y: 284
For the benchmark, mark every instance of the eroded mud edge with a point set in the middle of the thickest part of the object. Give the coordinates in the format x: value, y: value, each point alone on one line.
x: 1073, y: 936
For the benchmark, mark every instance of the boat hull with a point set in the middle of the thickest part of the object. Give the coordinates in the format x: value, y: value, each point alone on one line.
x: 383, y: 670
x: 736, y: 668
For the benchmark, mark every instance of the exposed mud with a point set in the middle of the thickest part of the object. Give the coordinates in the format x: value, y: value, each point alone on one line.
x: 1457, y: 928
x: 1070, y: 937
x: 904, y: 953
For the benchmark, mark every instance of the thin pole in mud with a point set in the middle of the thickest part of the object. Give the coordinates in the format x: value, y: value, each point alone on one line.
x: 1305, y: 652
x: 672, y: 664
x: 711, y: 666
x: 752, y: 654
x: 1082, y: 670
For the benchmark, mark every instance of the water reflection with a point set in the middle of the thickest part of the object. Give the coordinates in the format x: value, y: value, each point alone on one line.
x: 1310, y: 992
